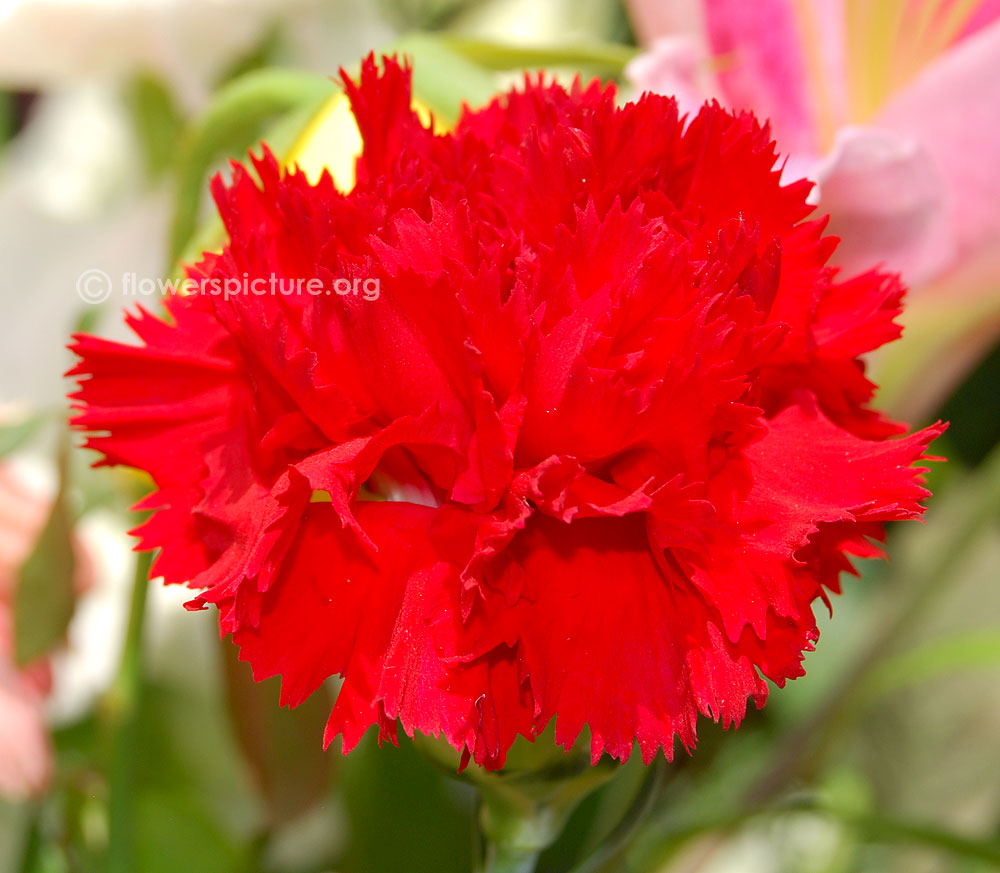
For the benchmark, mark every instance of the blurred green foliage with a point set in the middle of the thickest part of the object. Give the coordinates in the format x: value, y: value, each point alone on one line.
x: 883, y: 759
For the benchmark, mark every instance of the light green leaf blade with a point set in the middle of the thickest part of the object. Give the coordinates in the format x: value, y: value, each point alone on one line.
x: 44, y: 600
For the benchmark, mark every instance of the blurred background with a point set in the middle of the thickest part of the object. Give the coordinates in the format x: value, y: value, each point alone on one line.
x: 124, y: 711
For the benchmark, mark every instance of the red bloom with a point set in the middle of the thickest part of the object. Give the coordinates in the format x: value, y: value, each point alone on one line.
x: 609, y: 405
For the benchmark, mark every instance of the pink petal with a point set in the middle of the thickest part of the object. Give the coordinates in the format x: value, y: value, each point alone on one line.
x: 22, y: 516
x: 677, y: 66
x: 765, y: 65
x: 24, y: 751
x: 887, y: 202
x: 25, y: 758
x: 654, y: 18
x: 987, y: 12
x: 951, y: 108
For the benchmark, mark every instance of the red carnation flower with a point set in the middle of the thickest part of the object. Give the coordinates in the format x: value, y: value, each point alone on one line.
x: 593, y: 453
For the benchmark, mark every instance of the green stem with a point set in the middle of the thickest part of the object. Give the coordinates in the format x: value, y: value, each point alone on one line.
x: 620, y: 838
x: 516, y: 829
x: 522, y: 814
x: 31, y: 848
x: 504, y: 859
x: 123, y: 707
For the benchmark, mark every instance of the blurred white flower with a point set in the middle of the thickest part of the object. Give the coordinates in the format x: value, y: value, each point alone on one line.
x: 46, y: 43
x: 84, y: 669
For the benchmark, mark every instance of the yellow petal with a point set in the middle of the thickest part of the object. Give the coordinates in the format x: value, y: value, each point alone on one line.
x: 332, y: 142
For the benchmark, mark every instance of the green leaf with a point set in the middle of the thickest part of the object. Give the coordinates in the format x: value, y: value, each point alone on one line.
x: 876, y: 828
x: 609, y: 58
x: 938, y: 658
x: 44, y: 600
x: 871, y: 827
x: 270, y: 50
x: 157, y: 120
x: 395, y: 791
x: 281, y: 746
x: 8, y: 118
x: 88, y: 320
x: 444, y: 78
x: 232, y: 124
x: 276, y: 105
x: 177, y: 832
x: 281, y: 137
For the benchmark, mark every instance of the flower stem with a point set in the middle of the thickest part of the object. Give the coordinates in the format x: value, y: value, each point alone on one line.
x: 504, y: 859
x: 122, y: 712
x: 31, y: 848
x: 522, y: 814
x: 516, y: 828
x: 623, y: 833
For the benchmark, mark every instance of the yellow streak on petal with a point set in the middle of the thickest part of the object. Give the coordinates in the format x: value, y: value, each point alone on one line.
x: 331, y: 142
x: 931, y: 31
x: 930, y: 11
x: 911, y: 33
x: 819, y: 84
x: 872, y: 32
x: 956, y: 19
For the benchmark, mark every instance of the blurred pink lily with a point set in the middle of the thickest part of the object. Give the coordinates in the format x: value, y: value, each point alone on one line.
x: 25, y: 750
x: 893, y: 109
